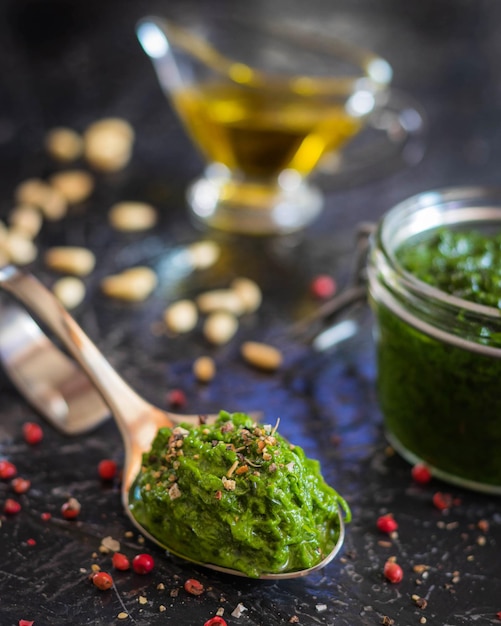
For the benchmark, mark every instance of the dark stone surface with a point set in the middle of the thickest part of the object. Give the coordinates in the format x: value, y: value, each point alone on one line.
x: 73, y: 62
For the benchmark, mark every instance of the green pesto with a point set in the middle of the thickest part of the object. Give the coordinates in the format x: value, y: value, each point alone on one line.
x: 238, y: 495
x: 462, y: 264
x: 442, y: 402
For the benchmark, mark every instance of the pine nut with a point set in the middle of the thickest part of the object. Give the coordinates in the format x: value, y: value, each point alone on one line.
x: 70, y: 291
x: 108, y: 144
x: 75, y: 185
x: 19, y: 248
x: 134, y: 284
x: 38, y: 193
x: 203, y: 254
x: 70, y: 260
x: 220, y: 300
x: 63, y: 144
x: 248, y: 292
x: 204, y: 369
x: 181, y: 316
x: 261, y: 355
x: 132, y: 216
x: 26, y: 219
x: 220, y: 327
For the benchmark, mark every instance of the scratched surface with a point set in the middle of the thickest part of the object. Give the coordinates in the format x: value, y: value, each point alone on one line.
x: 70, y: 63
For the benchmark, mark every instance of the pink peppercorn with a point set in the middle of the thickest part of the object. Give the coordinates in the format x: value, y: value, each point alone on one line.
x: 7, y: 470
x: 387, y: 523
x: 421, y: 474
x: 176, y: 398
x: 20, y: 485
x: 215, y: 621
x: 143, y: 563
x: 71, y: 509
x: 107, y: 469
x: 194, y: 587
x: 26, y: 622
x: 442, y: 501
x: 32, y: 433
x: 323, y: 286
x: 120, y: 562
x: 11, y: 507
x: 392, y: 571
x: 31, y: 542
x: 45, y: 517
x: 102, y: 580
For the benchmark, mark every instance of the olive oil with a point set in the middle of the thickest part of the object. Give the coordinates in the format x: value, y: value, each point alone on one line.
x: 260, y: 132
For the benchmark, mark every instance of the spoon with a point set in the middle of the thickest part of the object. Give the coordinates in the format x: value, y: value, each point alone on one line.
x: 137, y: 419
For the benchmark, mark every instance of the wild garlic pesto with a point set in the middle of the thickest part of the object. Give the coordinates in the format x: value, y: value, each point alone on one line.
x: 237, y: 494
x: 439, y: 360
x: 463, y: 264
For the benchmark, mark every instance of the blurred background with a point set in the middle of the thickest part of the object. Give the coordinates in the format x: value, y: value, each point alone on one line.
x: 68, y: 62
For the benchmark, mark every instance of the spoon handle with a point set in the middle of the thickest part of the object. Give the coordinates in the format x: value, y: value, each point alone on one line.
x: 123, y: 401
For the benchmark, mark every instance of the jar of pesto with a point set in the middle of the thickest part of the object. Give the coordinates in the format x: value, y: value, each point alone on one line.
x: 434, y: 280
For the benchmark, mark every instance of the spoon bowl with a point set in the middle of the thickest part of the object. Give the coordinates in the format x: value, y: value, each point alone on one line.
x: 137, y: 419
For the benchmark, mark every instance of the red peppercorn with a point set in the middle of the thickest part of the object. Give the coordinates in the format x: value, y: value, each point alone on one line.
x: 387, y: 523
x: 323, y: 286
x: 32, y: 433
x: 442, y: 501
x: 176, y: 398
x: 26, y: 622
x: 120, y: 561
x: 392, y: 571
x: 421, y: 474
x: 194, y: 587
x: 143, y: 563
x: 102, y: 580
x: 71, y: 509
x: 11, y: 507
x: 7, y: 470
x: 20, y: 485
x: 31, y: 542
x: 107, y: 469
x: 45, y: 517
x: 216, y: 621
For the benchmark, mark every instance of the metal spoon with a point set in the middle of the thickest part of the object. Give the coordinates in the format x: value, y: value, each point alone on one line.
x: 137, y: 420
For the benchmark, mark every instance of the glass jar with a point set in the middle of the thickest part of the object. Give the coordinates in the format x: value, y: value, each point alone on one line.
x: 438, y: 356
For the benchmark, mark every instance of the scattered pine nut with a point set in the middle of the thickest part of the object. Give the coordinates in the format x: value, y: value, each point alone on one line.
x: 63, y: 144
x: 19, y: 248
x: 75, y: 185
x: 203, y: 254
x: 204, y: 369
x: 36, y: 192
x: 108, y: 144
x: 261, y: 355
x: 220, y: 327
x: 248, y: 292
x: 70, y: 260
x: 26, y: 219
x: 220, y: 300
x: 70, y: 291
x: 132, y: 216
x: 133, y: 285
x: 181, y: 316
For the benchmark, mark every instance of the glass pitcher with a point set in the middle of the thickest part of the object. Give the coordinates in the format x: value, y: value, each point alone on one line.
x: 263, y: 105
